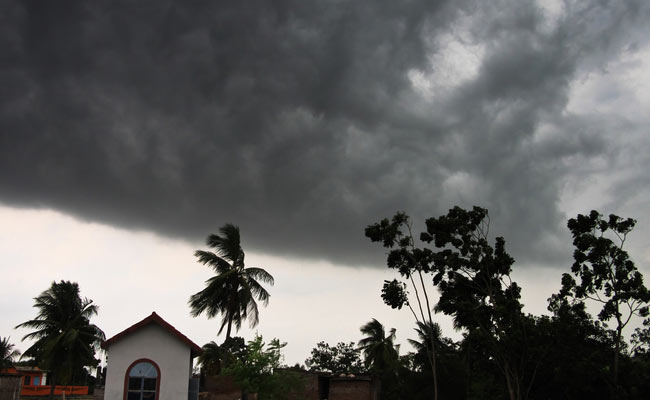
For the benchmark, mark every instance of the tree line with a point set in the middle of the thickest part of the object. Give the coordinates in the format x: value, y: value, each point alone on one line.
x: 504, y: 352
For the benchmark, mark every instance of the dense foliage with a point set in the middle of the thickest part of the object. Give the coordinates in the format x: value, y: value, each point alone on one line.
x: 258, y: 371
x: 343, y: 358
x: 506, y: 353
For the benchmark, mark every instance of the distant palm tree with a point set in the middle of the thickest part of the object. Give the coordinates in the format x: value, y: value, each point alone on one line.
x: 233, y: 291
x: 65, y: 339
x: 428, y: 333
x: 210, y: 359
x: 7, y: 353
x: 379, y: 351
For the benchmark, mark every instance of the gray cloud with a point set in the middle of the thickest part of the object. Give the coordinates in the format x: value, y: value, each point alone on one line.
x: 297, y: 120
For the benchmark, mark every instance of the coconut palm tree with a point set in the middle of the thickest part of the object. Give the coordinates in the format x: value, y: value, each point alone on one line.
x: 428, y: 333
x: 210, y: 359
x: 216, y: 357
x: 379, y: 351
x: 65, y: 340
x: 234, y: 291
x: 7, y: 353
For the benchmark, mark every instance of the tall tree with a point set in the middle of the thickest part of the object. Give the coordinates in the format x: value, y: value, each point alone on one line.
x: 607, y: 275
x: 234, y: 291
x: 65, y: 340
x: 7, y: 353
x: 396, y: 234
x: 473, y: 279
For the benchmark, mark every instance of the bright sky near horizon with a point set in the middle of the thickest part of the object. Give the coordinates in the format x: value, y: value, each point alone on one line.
x: 128, y: 133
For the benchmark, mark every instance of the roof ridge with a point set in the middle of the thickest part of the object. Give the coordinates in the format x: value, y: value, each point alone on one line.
x: 157, y: 319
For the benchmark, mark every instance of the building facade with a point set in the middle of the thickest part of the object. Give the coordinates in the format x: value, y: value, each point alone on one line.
x: 149, y: 360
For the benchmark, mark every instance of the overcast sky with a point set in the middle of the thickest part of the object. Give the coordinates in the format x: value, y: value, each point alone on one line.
x: 129, y: 131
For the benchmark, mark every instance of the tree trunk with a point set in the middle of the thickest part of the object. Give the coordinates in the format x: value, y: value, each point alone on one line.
x: 431, y: 355
x: 229, y: 327
x: 617, y: 352
x: 511, y: 390
x: 513, y: 384
x: 468, y: 371
x: 433, y: 368
x: 52, y: 383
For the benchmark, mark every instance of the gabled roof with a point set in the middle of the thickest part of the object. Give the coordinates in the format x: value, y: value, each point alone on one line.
x: 155, y: 319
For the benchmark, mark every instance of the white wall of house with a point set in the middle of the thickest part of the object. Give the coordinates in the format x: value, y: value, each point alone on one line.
x: 157, y: 344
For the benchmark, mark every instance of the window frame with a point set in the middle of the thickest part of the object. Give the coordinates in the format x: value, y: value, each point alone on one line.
x: 128, y: 371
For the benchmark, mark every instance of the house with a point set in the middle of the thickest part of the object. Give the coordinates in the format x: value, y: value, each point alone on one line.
x: 33, y: 382
x: 149, y: 360
x: 31, y: 376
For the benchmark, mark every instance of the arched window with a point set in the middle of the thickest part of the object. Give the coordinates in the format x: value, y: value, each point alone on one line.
x: 142, y: 381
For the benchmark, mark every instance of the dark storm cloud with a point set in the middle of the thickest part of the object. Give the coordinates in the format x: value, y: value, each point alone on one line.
x: 296, y: 120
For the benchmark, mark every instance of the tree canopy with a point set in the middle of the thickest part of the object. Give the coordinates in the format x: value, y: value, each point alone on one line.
x: 343, y: 358
x: 259, y: 370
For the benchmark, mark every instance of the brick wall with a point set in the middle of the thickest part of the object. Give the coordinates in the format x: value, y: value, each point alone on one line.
x: 220, y: 387
x: 350, y: 389
x: 309, y: 390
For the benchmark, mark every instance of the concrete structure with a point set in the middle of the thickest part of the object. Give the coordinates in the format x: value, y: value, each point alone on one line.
x: 149, y: 360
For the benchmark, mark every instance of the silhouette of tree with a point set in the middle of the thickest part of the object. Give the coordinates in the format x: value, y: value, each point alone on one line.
x: 607, y: 275
x: 396, y: 234
x: 65, y: 340
x: 473, y: 279
x: 210, y: 359
x: 7, y: 353
x: 422, y: 345
x: 216, y: 357
x: 379, y: 351
x: 234, y: 291
x: 344, y: 358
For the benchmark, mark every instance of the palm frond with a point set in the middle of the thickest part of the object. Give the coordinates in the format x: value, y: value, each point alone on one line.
x: 260, y: 275
x: 218, y: 264
x: 258, y: 291
x: 227, y: 244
